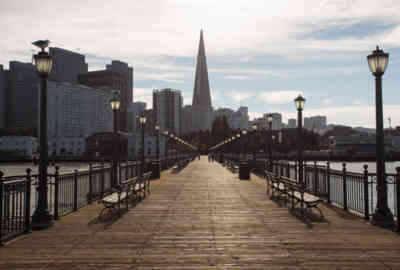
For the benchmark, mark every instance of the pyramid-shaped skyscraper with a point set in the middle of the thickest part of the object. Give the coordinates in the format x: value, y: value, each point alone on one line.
x: 202, y: 111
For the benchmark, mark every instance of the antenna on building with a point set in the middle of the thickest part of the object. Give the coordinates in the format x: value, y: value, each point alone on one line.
x: 390, y: 122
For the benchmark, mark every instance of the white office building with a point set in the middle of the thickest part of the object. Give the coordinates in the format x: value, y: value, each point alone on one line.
x: 19, y: 146
x: 75, y: 112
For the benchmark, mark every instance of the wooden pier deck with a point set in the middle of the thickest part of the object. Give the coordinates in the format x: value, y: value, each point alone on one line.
x: 204, y: 217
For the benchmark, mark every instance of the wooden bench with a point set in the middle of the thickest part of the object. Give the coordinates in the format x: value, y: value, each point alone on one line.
x: 116, y: 196
x: 232, y: 166
x: 294, y: 191
x: 179, y: 166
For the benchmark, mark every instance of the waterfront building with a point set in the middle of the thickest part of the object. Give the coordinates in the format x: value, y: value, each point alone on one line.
x: 356, y: 143
x: 150, y: 146
x: 18, y: 146
x: 74, y: 113
x: 3, y: 101
x: 67, y: 65
x: 118, y: 76
x: 202, y: 111
x: 167, y: 107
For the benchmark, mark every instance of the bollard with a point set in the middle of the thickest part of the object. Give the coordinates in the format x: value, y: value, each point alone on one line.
x: 56, y: 191
x: 75, y: 190
x: 344, y: 187
x: 366, y: 201
x: 328, y: 181
x: 27, y: 201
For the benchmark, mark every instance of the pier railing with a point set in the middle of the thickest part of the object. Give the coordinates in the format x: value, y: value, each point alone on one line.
x: 66, y: 192
x: 352, y: 191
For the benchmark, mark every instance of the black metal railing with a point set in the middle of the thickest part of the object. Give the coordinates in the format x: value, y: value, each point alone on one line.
x: 66, y: 192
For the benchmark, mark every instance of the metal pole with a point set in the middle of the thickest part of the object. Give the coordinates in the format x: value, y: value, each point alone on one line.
x: 115, y: 120
x: 382, y: 216
x: 42, y: 219
x: 158, y: 146
x: 300, y: 146
x: 142, y: 149
x: 270, y: 144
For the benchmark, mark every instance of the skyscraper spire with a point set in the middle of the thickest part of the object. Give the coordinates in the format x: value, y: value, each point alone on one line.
x: 201, y: 92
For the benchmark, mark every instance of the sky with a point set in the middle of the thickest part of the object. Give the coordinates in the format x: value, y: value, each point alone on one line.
x: 260, y: 54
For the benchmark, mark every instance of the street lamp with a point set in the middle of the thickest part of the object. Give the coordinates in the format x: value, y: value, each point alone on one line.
x: 115, y: 104
x: 299, y: 102
x: 142, y: 121
x: 41, y: 218
x: 270, y: 118
x: 244, y: 132
x: 156, y: 164
x: 383, y: 217
x: 255, y: 128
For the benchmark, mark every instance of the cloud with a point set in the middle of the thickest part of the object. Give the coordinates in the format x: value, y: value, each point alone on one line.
x: 239, y: 96
x: 279, y: 97
x: 356, y: 102
x: 327, y: 101
x: 144, y: 95
x: 237, y: 77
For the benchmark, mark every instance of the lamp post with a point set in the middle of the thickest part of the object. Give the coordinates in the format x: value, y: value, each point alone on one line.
x: 142, y: 120
x: 115, y: 104
x: 270, y: 117
x: 255, y: 128
x: 383, y: 217
x: 156, y: 164
x: 299, y: 102
x: 41, y: 218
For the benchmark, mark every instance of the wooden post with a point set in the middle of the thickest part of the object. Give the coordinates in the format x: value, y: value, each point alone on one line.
x: 366, y: 201
x: 27, y: 201
x: 344, y: 187
x: 56, y: 191
x: 75, y: 190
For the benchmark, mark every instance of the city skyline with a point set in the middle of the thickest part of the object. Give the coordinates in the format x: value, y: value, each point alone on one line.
x: 258, y: 55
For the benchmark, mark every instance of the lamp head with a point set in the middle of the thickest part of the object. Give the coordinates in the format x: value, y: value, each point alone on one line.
x: 378, y: 61
x: 299, y: 102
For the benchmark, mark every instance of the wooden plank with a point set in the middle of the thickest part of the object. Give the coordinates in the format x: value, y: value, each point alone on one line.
x: 205, y: 218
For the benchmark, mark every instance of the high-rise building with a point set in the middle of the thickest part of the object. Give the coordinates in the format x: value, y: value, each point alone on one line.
x: 292, y: 123
x: 187, y: 119
x: 3, y: 88
x: 202, y: 111
x: 236, y: 119
x: 67, y: 65
x: 276, y: 121
x: 22, y: 96
x: 118, y: 76
x: 167, y: 107
x: 315, y: 122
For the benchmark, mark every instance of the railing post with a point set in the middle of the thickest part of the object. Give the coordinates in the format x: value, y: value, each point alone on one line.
x: 366, y: 201
x: 75, y: 190
x: 1, y: 208
x: 344, y: 187
x: 295, y: 170
x: 328, y: 181
x: 56, y: 191
x: 315, y: 179
x: 90, y: 184
x: 102, y: 178
x: 27, y: 201
x: 398, y: 198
